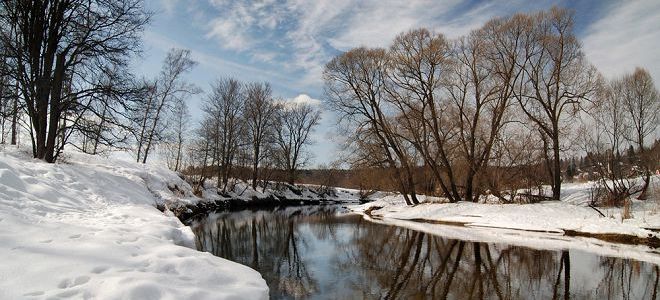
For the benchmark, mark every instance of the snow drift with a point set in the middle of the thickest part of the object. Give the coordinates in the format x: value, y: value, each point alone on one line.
x: 88, y: 227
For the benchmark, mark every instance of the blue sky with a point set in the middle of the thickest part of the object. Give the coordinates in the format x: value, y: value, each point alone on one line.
x: 287, y: 42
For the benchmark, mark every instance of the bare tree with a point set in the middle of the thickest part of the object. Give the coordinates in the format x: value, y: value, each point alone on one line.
x: 355, y: 89
x: 295, y: 123
x: 163, y: 93
x: 602, y: 138
x: 641, y: 101
x: 178, y: 134
x: 223, y: 109
x: 56, y: 45
x: 259, y: 115
x: 418, y: 63
x: 557, y: 78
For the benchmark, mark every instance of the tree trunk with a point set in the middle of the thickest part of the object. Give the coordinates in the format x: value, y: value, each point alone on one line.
x: 292, y: 176
x: 468, y: 186
x: 14, y: 120
x: 556, y: 180
x: 255, y: 168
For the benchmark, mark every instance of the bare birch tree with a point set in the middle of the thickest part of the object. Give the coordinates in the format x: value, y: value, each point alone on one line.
x: 162, y: 95
x: 179, y: 123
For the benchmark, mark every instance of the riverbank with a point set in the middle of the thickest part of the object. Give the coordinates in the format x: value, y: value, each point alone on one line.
x: 569, y: 222
x: 89, y: 227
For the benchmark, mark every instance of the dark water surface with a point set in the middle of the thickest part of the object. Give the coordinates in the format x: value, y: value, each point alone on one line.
x: 318, y: 253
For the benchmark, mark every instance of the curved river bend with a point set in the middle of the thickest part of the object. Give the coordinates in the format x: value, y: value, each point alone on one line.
x: 318, y: 253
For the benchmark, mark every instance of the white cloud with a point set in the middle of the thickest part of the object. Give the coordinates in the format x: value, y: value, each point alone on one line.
x: 231, y: 34
x: 300, y: 36
x: 305, y: 99
x: 223, y: 67
x: 626, y: 37
x: 169, y: 5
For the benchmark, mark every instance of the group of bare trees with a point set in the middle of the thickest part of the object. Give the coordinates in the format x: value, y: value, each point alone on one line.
x: 459, y: 108
x: 64, y: 79
x: 624, y: 117
x: 162, y: 113
x: 245, y: 127
x: 65, y: 62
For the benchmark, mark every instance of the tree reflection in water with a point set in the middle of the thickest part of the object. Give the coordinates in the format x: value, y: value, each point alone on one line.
x: 315, y: 253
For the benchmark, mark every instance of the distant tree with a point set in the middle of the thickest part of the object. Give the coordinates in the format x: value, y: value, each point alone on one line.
x: 295, y: 123
x: 162, y: 94
x: 259, y: 116
x: 178, y: 136
x: 603, y: 140
x: 641, y: 102
x: 222, y: 115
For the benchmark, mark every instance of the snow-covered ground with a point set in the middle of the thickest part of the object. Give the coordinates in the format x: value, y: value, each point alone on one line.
x: 88, y: 227
x: 540, y: 225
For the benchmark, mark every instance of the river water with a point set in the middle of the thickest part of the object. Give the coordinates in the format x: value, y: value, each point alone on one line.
x: 321, y: 252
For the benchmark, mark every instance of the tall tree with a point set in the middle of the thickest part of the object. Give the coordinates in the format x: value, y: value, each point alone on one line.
x: 556, y: 79
x: 259, y: 114
x: 641, y: 101
x: 178, y: 134
x: 56, y: 42
x: 355, y: 88
x: 223, y: 109
x: 295, y: 123
x: 163, y: 93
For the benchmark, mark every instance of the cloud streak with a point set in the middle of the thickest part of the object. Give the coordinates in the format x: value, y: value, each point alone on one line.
x: 628, y: 36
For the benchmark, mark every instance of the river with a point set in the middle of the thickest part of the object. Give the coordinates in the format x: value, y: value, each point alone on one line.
x: 322, y: 252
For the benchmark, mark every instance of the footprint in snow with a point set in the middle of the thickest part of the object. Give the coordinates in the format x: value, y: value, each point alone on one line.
x: 45, y: 241
x: 75, y: 236
x: 68, y: 294
x: 33, y: 294
x: 100, y: 269
x: 69, y: 283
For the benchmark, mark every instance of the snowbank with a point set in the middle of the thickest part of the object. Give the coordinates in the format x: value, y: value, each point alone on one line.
x: 88, y: 227
x: 241, y: 190
x: 495, y: 221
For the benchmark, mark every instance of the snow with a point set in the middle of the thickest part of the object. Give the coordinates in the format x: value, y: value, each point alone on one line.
x: 539, y: 225
x: 241, y: 190
x: 87, y: 227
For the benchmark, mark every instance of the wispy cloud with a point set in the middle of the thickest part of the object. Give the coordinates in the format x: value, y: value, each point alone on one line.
x: 288, y: 42
x: 627, y: 36
x: 304, y: 35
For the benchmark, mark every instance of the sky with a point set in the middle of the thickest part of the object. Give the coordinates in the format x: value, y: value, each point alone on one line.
x: 288, y: 42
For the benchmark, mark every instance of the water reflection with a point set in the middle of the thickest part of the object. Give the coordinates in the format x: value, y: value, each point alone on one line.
x: 315, y: 253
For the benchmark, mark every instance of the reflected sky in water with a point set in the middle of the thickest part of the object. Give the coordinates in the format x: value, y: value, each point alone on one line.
x: 318, y: 253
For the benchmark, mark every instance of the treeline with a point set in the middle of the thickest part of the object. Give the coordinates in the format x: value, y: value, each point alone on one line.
x: 483, y: 113
x: 245, y: 128
x: 65, y: 80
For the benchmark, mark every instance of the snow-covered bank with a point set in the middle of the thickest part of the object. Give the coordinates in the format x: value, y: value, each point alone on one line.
x: 526, y: 224
x: 88, y: 227
x: 239, y: 195
x: 243, y: 191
